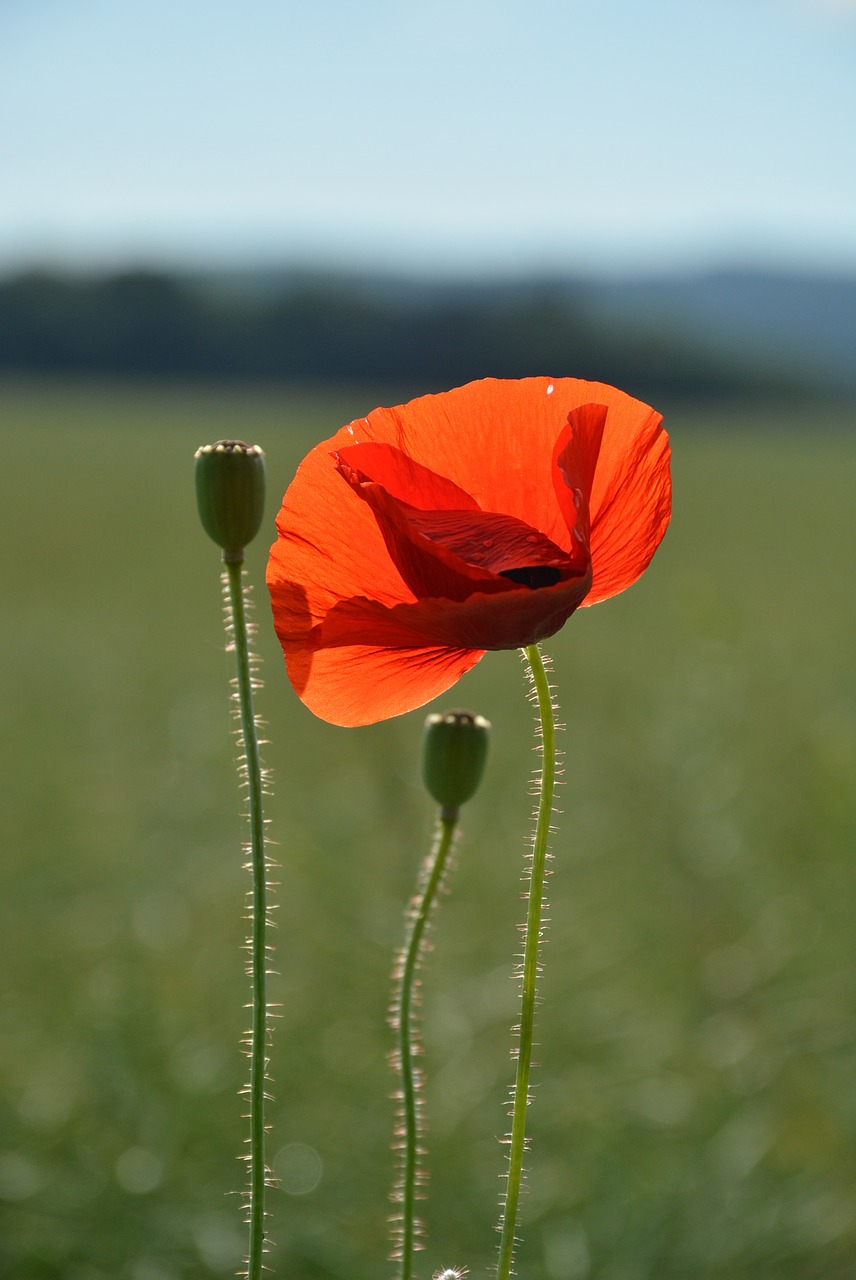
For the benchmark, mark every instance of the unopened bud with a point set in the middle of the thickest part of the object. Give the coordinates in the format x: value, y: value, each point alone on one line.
x: 230, y: 493
x: 454, y: 751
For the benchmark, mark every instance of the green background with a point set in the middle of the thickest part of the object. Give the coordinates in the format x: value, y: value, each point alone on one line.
x: 695, y: 1114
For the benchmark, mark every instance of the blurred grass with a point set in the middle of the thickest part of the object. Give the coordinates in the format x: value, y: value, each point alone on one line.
x: 695, y: 1116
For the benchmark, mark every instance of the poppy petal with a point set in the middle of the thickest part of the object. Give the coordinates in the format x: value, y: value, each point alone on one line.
x: 449, y: 553
x: 631, y: 501
x: 380, y: 598
x: 361, y: 684
x: 366, y: 662
x: 518, y: 616
x: 491, y: 541
x: 575, y: 457
x: 403, y: 477
x: 495, y: 438
x: 428, y: 568
x: 328, y: 547
x: 487, y: 438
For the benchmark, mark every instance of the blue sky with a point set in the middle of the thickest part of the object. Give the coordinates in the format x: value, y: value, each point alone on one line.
x: 461, y: 134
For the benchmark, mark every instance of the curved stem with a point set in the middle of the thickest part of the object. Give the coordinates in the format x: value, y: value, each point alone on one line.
x: 404, y: 1020
x: 257, y: 946
x: 534, y: 916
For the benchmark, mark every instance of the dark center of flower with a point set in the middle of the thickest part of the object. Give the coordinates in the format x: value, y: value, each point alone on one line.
x: 533, y: 575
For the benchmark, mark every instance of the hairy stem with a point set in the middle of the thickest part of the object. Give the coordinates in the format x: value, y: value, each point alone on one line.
x: 534, y: 917
x: 408, y: 1046
x: 258, y: 1034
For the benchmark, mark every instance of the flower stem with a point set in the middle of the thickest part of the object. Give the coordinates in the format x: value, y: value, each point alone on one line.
x: 258, y: 1035
x: 408, y: 1046
x: 534, y: 917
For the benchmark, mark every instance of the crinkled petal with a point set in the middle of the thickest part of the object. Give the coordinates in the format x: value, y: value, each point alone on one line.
x: 516, y: 618
x: 631, y: 501
x: 428, y: 568
x: 328, y: 548
x: 345, y: 667
x: 495, y: 438
x: 360, y: 642
x: 449, y: 553
x: 491, y: 541
x: 403, y: 478
x: 575, y: 457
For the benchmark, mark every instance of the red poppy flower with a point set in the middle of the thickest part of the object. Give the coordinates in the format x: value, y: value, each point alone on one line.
x: 421, y: 536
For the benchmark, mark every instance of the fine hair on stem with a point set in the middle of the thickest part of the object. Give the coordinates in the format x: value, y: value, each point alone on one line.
x: 407, y: 1229
x: 541, y: 693
x: 255, y: 783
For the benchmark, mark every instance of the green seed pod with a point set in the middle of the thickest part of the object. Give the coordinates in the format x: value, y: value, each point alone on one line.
x: 230, y: 493
x: 454, y: 751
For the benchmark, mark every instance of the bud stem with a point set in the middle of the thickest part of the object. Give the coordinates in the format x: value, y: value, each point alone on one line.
x: 404, y: 1022
x: 529, y: 973
x: 233, y: 576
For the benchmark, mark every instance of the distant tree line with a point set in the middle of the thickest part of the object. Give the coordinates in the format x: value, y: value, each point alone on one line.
x: 152, y: 325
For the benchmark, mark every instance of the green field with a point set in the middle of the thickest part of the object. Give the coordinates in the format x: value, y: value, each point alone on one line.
x: 695, y: 1114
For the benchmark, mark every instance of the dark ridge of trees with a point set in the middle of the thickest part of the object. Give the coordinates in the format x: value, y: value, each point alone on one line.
x: 148, y: 324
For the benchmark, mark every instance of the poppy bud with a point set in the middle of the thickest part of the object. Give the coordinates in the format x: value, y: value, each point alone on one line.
x: 230, y: 493
x: 454, y: 751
